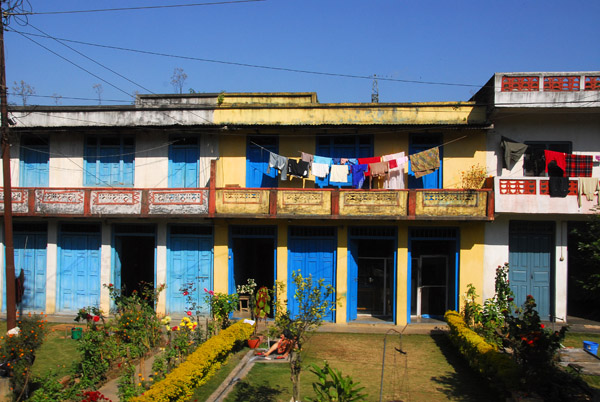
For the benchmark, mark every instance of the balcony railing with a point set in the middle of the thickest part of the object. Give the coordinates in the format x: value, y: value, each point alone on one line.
x: 531, y: 195
x: 253, y: 203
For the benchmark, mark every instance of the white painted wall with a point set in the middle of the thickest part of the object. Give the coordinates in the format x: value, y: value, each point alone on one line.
x: 66, y: 160
x: 51, y: 267
x: 151, y: 159
x: 161, y: 265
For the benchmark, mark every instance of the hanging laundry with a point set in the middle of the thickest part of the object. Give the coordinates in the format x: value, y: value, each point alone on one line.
x: 512, y: 151
x: 339, y: 174
x: 320, y: 170
x: 425, y: 162
x: 358, y: 175
x: 278, y: 162
x: 307, y: 158
x: 534, y: 161
x: 337, y: 161
x: 352, y: 161
x: 395, y: 178
x: 558, y: 157
x: 343, y: 161
x: 322, y: 159
x: 588, y: 186
x: 298, y: 168
x: 367, y: 161
x: 558, y: 186
x: 578, y: 165
x: 378, y: 169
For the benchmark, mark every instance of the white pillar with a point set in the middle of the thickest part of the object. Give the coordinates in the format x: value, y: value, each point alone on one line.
x: 51, y: 267
x: 105, y: 267
x: 161, y: 266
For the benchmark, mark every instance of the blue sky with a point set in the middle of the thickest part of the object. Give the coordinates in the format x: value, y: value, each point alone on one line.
x: 453, y: 42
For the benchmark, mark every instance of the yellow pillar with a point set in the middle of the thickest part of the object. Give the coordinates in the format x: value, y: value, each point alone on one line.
x: 402, y: 280
x: 472, y: 236
x: 282, y: 261
x: 341, y: 292
x: 221, y: 258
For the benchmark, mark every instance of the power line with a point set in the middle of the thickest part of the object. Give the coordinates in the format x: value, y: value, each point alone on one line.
x: 259, y: 66
x: 216, y: 3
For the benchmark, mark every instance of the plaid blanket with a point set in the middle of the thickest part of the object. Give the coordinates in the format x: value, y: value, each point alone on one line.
x: 578, y: 165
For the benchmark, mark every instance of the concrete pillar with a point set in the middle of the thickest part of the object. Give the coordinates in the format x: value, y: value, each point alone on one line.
x: 52, y: 267
x: 161, y: 266
x: 105, y: 267
x: 341, y: 291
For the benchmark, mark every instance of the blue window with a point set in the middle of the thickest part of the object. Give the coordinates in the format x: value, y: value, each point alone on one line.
x: 343, y: 146
x: 184, y: 156
x: 108, y: 161
x: 419, y: 143
x: 257, y: 162
x: 34, y: 166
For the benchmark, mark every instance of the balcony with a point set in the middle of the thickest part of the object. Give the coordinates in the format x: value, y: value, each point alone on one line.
x: 530, y: 195
x: 253, y: 203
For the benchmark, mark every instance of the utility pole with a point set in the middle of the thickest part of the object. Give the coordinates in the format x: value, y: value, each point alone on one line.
x: 11, y: 299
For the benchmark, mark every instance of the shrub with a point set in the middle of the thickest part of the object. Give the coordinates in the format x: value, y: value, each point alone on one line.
x: 18, y: 351
x: 481, y: 356
x: 198, y: 367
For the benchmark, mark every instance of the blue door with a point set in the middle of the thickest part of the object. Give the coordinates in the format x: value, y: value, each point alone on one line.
x: 352, y: 298
x: 30, y: 256
x: 420, y: 143
x: 345, y: 146
x: 34, y: 166
x: 79, y: 271
x: 312, y: 252
x: 257, y: 162
x: 531, y: 259
x: 184, y: 159
x: 189, y: 268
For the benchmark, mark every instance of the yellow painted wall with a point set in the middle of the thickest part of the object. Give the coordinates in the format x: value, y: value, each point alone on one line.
x: 221, y: 258
x: 342, y: 275
x: 462, y: 154
x: 231, y: 165
x: 471, y: 258
x: 349, y: 113
x: 403, y: 281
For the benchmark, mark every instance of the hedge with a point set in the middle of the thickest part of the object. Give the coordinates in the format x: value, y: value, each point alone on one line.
x: 198, y: 367
x: 482, y: 356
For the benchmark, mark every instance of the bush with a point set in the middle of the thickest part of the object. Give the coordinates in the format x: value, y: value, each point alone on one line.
x: 481, y: 356
x: 18, y: 351
x: 198, y: 367
x: 331, y: 386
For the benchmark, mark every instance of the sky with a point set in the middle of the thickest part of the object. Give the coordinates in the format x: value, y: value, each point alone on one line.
x: 422, y: 50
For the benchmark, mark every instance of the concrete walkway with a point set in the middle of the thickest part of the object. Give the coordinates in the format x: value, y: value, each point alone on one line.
x: 111, y: 389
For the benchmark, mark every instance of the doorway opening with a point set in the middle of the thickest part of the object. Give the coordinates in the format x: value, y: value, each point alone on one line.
x: 434, y: 272
x: 371, y: 274
x: 134, y: 257
x: 252, y: 256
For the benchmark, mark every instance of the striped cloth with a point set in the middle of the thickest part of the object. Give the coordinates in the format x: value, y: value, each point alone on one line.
x: 578, y: 165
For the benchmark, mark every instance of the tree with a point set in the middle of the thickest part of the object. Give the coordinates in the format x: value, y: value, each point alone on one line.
x: 178, y: 79
x: 98, y: 88
x: 314, y: 301
x: 584, y: 268
x: 24, y: 90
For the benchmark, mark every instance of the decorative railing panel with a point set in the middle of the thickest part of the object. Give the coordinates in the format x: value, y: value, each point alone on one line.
x: 374, y: 203
x: 242, y: 201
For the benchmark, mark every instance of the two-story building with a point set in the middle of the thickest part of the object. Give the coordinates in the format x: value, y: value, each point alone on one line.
x: 178, y: 189
x: 543, y: 149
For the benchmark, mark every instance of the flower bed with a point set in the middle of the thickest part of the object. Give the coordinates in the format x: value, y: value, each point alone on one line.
x: 480, y: 355
x: 198, y: 367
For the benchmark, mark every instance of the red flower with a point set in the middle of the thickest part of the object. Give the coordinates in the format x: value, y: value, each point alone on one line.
x: 189, y: 313
x: 511, y: 299
x: 542, y: 325
x: 96, y: 318
x: 185, y: 293
x: 174, y: 328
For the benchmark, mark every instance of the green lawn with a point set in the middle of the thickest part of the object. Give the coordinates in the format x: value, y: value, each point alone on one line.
x: 429, y: 371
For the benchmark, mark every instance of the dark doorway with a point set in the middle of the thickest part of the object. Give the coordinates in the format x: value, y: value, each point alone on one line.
x: 375, y: 278
x: 134, y: 258
x: 433, y: 279
x: 583, y: 298
x: 253, y: 258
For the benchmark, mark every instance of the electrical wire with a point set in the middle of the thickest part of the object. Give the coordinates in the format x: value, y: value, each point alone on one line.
x: 216, y: 3
x: 259, y: 66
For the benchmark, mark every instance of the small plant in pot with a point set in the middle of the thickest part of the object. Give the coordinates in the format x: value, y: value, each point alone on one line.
x: 249, y: 289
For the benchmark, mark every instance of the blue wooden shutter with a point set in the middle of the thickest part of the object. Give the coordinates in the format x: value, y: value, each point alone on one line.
x: 257, y: 162
x: 34, y: 165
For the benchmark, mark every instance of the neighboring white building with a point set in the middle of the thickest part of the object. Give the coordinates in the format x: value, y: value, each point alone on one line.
x: 546, y: 111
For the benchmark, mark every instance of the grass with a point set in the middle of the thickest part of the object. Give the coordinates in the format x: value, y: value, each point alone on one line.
x: 575, y: 340
x: 429, y: 371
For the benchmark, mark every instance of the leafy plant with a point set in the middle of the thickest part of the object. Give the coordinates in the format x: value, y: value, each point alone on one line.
x: 474, y: 177
x: 249, y: 289
x: 263, y: 303
x: 221, y: 306
x: 127, y: 387
x: 18, y: 351
x: 331, y: 386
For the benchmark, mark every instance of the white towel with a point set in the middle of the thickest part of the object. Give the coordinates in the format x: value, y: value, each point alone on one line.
x: 339, y: 174
x: 320, y: 169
